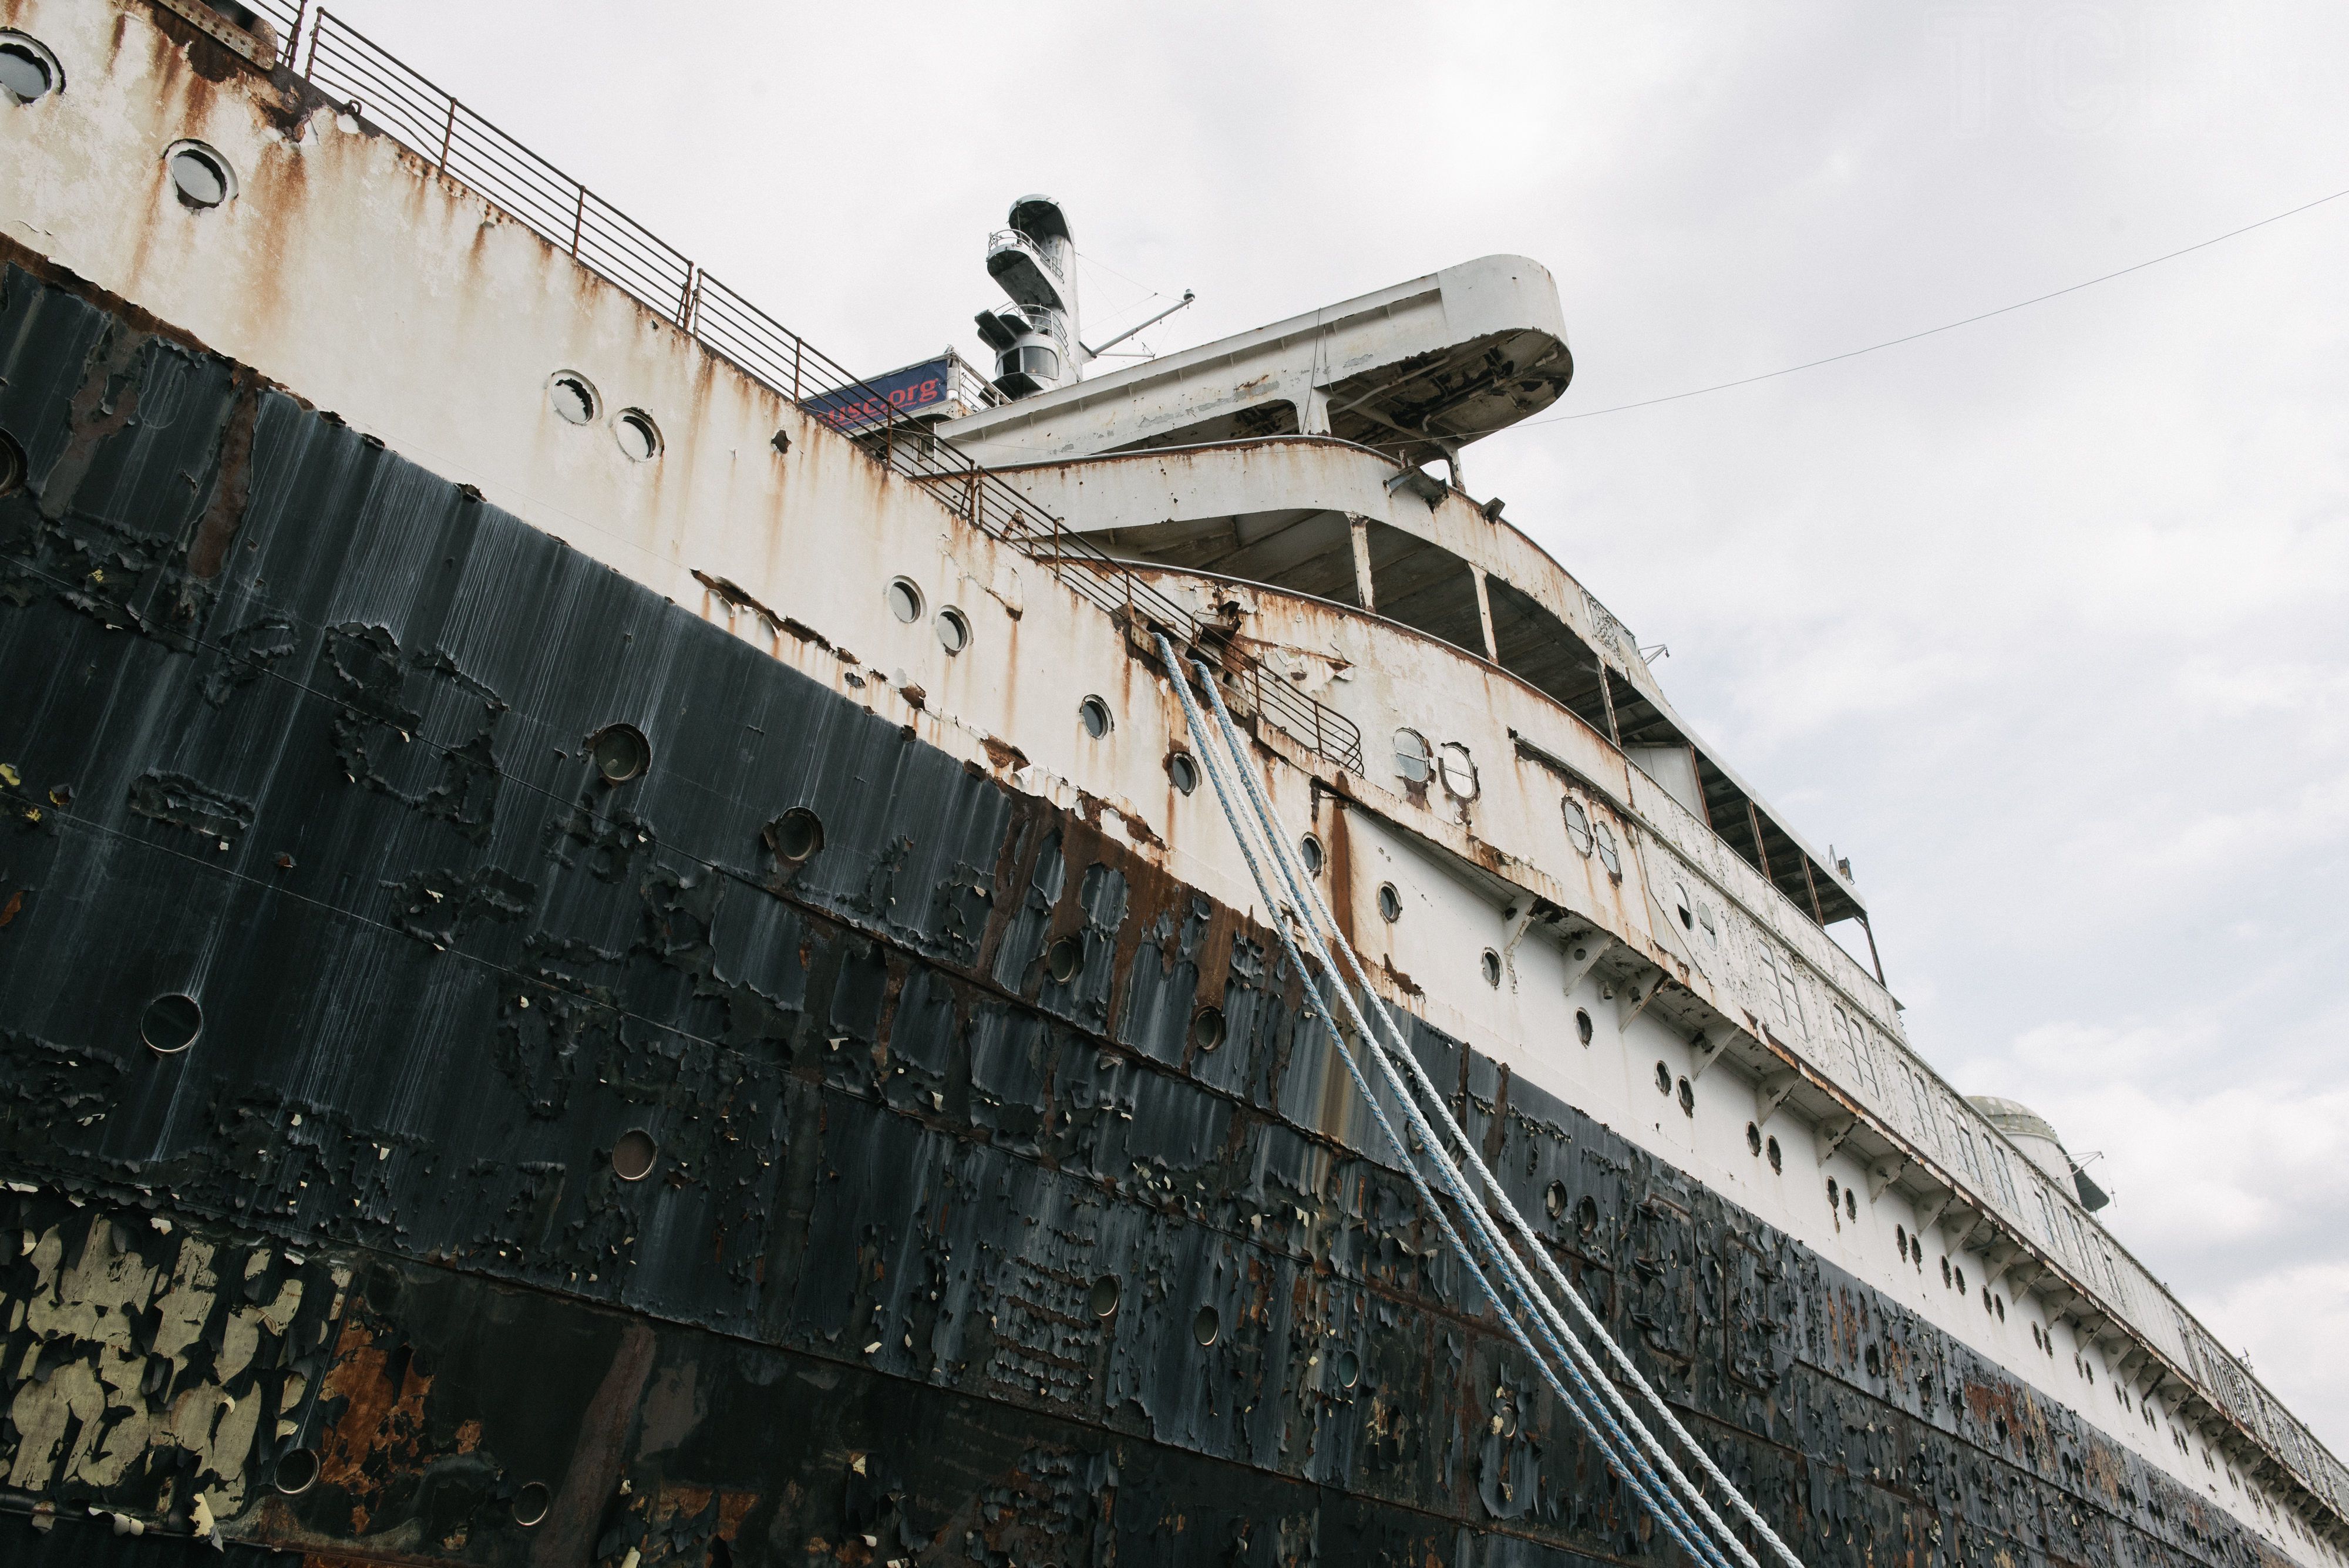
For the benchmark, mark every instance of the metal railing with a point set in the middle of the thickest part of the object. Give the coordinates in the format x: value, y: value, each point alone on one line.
x: 1013, y: 240
x: 370, y: 83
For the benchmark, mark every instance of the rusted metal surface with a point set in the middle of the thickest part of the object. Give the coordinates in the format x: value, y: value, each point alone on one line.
x: 912, y: 1097
x: 755, y: 511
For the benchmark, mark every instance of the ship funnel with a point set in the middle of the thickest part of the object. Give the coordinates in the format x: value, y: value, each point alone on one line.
x: 1034, y: 259
x: 2031, y: 1132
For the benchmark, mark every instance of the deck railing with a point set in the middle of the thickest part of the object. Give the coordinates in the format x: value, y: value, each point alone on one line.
x: 370, y: 83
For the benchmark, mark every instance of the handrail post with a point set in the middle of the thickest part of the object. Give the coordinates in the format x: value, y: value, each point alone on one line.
x: 447, y: 135
x: 294, y: 38
x: 578, y: 220
x: 797, y: 344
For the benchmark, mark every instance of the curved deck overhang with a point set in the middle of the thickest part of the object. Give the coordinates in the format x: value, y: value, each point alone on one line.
x: 1351, y: 526
x: 1419, y: 369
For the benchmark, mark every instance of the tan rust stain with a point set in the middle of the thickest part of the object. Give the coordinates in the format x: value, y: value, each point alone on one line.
x: 379, y: 1418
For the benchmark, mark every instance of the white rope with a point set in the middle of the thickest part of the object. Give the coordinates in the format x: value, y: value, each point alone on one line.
x: 1667, y: 1510
x: 1306, y: 895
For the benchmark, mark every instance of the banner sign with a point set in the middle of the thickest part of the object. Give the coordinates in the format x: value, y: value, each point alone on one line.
x: 915, y: 388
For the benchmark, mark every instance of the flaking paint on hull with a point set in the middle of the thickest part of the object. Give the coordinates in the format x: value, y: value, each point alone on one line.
x: 368, y: 1225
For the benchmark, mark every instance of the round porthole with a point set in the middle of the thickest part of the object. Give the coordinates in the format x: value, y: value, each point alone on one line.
x: 1183, y: 770
x: 1414, y: 760
x: 1491, y: 962
x: 637, y: 435
x: 170, y: 1024
x: 1834, y: 1192
x: 1457, y: 770
x: 297, y: 1471
x: 1586, y: 1216
x: 1687, y: 1097
x: 621, y: 752
x: 1683, y: 908
x: 1063, y: 960
x: 633, y: 1155
x: 904, y: 598
x: 1093, y: 714
x: 27, y: 70
x: 1348, y: 1367
x: 1105, y: 1295
x: 574, y: 398
x: 1608, y: 855
x: 200, y: 174
x: 1554, y: 1199
x: 1777, y: 1158
x: 1207, y: 1326
x: 795, y: 835
x: 1207, y: 1028
x: 1851, y: 1202
x: 1582, y: 1025
x: 1754, y: 1147
x: 1578, y: 824
x: 1663, y: 1079
x: 1309, y: 849
x: 953, y: 629
x: 1390, y: 903
x: 531, y: 1504
x: 12, y: 464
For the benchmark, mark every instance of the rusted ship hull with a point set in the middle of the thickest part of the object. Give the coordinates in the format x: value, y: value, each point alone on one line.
x: 934, y: 1257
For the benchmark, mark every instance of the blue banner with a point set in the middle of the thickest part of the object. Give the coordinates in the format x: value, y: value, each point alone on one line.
x: 915, y: 388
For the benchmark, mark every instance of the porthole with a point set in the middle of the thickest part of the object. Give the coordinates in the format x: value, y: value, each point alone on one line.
x: 1834, y: 1192
x: 531, y: 1504
x: 170, y: 1024
x: 297, y: 1471
x: 1753, y: 1140
x: 633, y: 1155
x: 621, y: 752
x: 1492, y: 966
x: 1851, y: 1202
x: 795, y: 836
x: 1578, y: 824
x: 1945, y: 1270
x: 1554, y: 1199
x: 1183, y: 770
x: 1582, y: 1029
x: 1988, y: 1311
x: 1458, y: 771
x: 1390, y: 903
x: 1900, y: 1241
x: 1094, y: 715
x: 1586, y: 1216
x: 637, y: 435
x: 1663, y: 1079
x: 574, y: 398
x: 12, y: 464
x: 1105, y: 1295
x: 904, y: 600
x: 1608, y: 855
x: 1777, y: 1158
x: 1309, y: 849
x: 1875, y: 1363
x: 1961, y: 1275
x: 1348, y: 1367
x: 1064, y: 959
x: 1682, y: 907
x: 1414, y: 760
x: 201, y: 176
x: 1999, y: 1302
x: 27, y: 70
x: 953, y: 629
x: 1687, y: 1091
x: 1207, y: 1028
x: 1207, y: 1326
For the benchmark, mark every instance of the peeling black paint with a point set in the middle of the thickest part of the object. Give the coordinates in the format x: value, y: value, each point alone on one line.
x: 850, y: 1312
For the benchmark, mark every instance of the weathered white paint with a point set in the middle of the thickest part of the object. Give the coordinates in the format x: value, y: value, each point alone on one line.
x: 349, y: 271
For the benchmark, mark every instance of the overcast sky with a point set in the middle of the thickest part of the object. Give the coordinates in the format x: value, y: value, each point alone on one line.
x: 2044, y: 622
